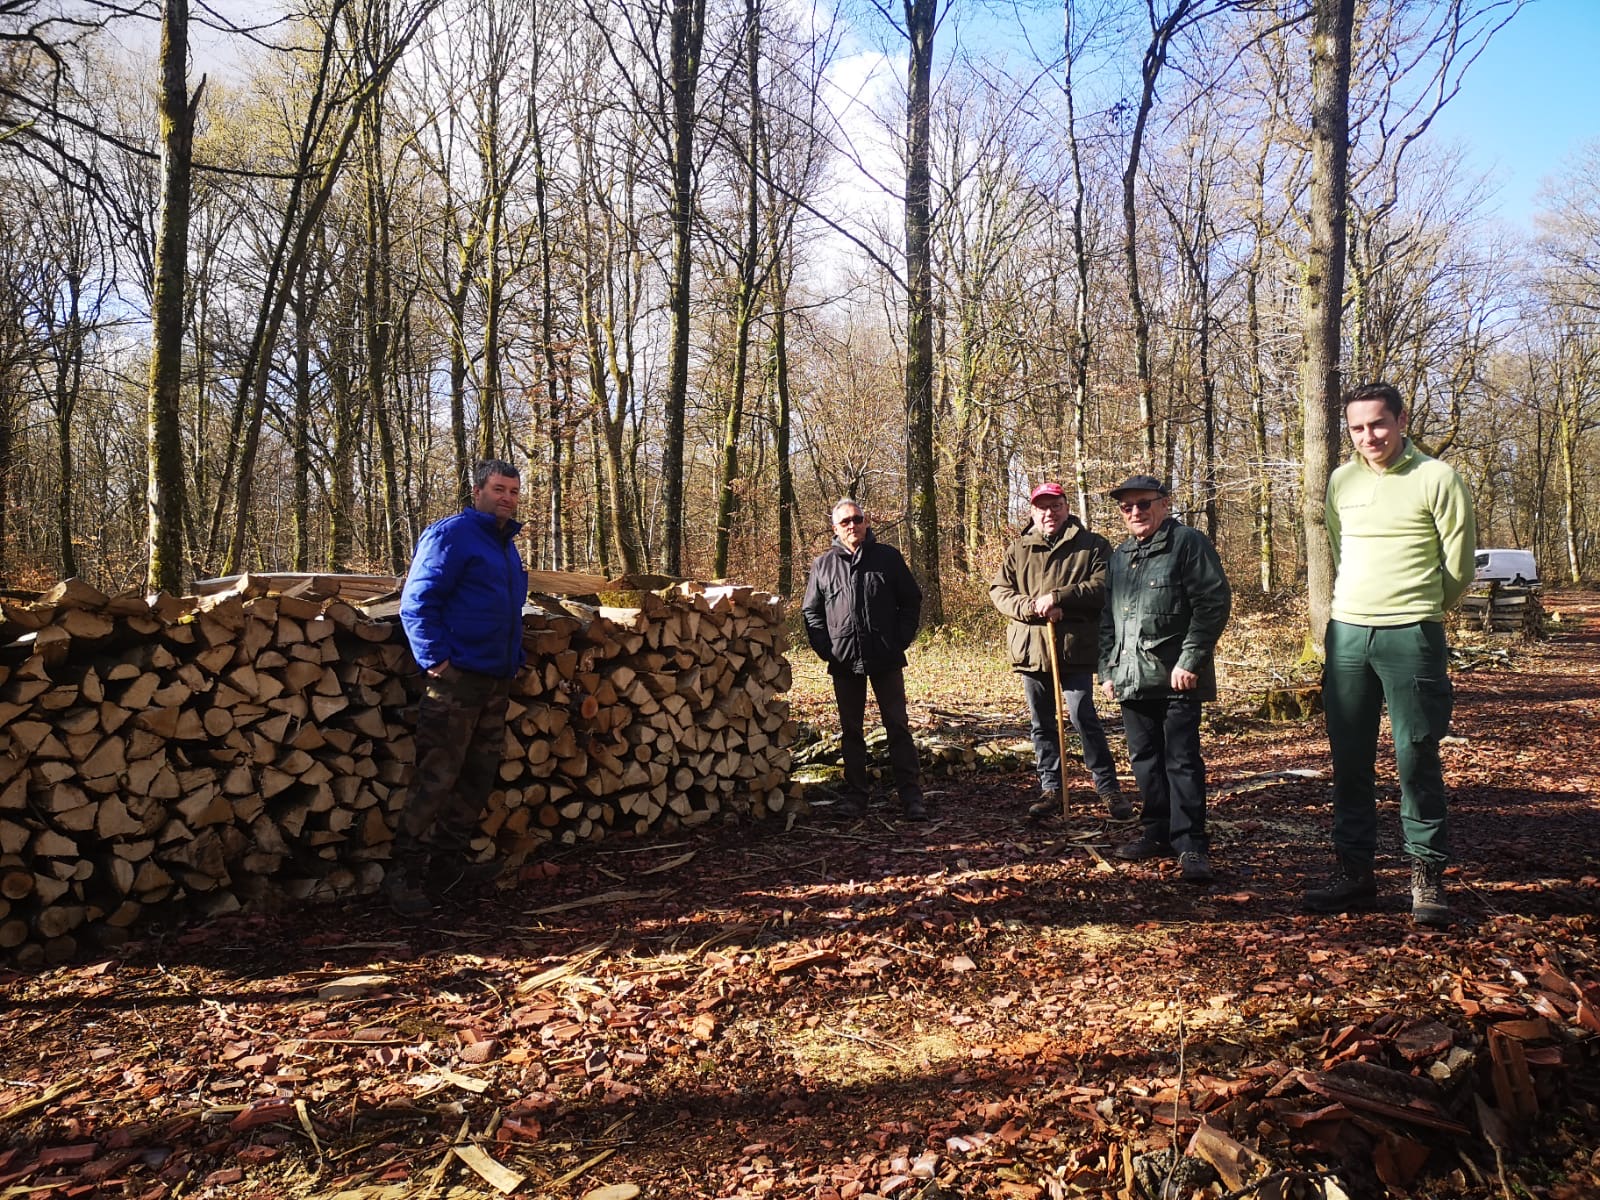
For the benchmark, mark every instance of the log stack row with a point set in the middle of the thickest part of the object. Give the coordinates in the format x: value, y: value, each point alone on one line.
x: 1505, y: 608
x: 256, y: 743
x: 665, y: 712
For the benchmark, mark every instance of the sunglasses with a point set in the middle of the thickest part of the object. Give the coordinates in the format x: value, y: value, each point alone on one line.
x: 855, y: 520
x: 1131, y: 506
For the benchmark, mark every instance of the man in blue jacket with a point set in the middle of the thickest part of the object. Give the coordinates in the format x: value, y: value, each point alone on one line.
x: 462, y: 612
x: 862, y: 608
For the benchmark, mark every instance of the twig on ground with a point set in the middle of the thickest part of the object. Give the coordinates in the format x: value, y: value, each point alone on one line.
x: 870, y: 1041
x: 1290, y: 1174
x: 898, y: 946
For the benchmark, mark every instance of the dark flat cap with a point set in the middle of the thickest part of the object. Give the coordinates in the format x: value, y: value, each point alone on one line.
x: 1138, y: 483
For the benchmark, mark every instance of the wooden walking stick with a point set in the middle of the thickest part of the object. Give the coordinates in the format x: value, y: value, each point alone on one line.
x: 1061, y: 729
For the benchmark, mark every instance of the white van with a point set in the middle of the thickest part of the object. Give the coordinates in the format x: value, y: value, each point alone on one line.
x: 1506, y: 566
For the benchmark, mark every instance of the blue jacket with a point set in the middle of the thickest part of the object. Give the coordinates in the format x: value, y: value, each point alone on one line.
x: 463, y: 597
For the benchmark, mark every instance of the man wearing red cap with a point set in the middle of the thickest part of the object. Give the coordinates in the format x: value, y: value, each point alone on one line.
x: 1052, y: 584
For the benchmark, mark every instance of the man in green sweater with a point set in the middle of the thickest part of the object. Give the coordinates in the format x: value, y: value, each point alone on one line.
x: 1402, y: 532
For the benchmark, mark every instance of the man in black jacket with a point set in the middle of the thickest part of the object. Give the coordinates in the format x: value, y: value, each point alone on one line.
x: 862, y: 608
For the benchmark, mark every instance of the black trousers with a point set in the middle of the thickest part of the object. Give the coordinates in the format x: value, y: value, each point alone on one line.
x: 1164, y: 750
x: 850, y: 694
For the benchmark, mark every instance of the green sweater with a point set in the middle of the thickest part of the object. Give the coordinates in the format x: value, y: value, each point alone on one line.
x: 1403, y: 540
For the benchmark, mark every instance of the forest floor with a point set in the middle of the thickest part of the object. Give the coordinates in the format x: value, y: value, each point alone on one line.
x: 971, y: 1007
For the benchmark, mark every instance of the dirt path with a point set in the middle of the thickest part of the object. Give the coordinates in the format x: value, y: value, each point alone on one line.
x: 975, y: 1007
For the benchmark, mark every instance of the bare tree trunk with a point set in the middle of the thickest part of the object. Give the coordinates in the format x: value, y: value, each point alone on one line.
x: 559, y: 556
x: 459, y: 292
x: 165, y: 500
x: 303, y: 305
x: 64, y: 401
x: 921, y: 466
x: 749, y: 296
x: 1258, y: 386
x: 8, y: 441
x: 377, y: 310
x: 1082, y: 348
x: 781, y: 425
x: 601, y: 530
x: 346, y: 422
x: 1332, y: 22
x: 604, y: 364
x: 1155, y: 57
x: 491, y: 441
x: 688, y: 36
x: 1570, y: 491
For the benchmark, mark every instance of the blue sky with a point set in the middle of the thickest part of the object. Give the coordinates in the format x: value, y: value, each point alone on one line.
x: 1530, y: 101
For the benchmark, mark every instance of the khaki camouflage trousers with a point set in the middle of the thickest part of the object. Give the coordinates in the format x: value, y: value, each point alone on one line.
x: 461, y: 730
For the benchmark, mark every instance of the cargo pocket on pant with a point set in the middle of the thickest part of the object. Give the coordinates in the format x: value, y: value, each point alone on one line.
x: 1435, y: 701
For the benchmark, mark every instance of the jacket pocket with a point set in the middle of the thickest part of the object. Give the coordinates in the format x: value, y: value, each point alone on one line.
x: 1017, y: 639
x: 1164, y: 599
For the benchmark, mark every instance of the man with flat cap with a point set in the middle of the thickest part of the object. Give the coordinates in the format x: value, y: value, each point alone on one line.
x: 1052, y: 584
x: 1168, y: 602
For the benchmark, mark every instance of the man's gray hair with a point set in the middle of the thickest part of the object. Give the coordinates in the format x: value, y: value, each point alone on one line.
x: 843, y: 502
x: 492, y: 466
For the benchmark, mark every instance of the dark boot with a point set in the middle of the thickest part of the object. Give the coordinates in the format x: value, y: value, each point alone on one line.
x: 403, y: 891
x: 913, y: 807
x: 1428, y: 903
x: 1047, y: 805
x: 466, y: 880
x: 851, y: 806
x: 1195, y: 866
x: 1143, y: 847
x: 1120, y: 808
x: 1352, y: 887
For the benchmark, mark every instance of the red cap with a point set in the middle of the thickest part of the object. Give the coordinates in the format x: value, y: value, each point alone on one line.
x: 1045, y: 489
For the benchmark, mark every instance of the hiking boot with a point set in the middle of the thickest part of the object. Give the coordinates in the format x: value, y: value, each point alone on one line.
x: 1428, y: 904
x: 1352, y: 887
x: 1120, y: 808
x: 851, y: 806
x: 1047, y: 805
x: 405, y: 898
x: 1195, y: 867
x: 913, y: 808
x: 471, y: 878
x: 1143, y: 847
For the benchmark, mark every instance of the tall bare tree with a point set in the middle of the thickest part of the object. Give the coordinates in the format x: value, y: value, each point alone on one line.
x: 750, y: 285
x: 922, y: 485
x: 164, y: 440
x: 1323, y: 293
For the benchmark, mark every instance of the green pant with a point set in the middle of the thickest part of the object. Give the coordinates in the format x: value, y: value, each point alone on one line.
x: 1405, y: 667
x: 461, y: 738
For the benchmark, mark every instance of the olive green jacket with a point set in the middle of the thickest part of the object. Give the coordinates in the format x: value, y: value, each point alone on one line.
x: 1072, y: 569
x: 1168, y: 603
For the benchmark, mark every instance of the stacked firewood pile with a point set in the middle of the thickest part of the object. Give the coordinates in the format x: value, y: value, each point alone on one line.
x: 255, y: 744
x: 1505, y: 608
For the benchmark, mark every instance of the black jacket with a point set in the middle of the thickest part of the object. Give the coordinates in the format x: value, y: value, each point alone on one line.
x: 861, y: 609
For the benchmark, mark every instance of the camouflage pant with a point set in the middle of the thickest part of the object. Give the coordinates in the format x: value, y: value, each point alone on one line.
x: 461, y: 730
